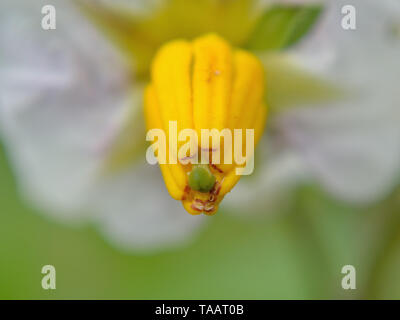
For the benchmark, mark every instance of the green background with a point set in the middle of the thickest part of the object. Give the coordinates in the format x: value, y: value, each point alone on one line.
x: 296, y: 254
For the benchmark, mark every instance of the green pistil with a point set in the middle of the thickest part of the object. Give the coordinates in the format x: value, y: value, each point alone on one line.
x: 201, y: 179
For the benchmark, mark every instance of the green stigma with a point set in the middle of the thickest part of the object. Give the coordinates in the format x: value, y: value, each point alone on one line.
x: 201, y: 179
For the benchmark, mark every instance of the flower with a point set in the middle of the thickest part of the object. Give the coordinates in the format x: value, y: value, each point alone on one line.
x: 350, y: 146
x: 71, y: 113
x: 224, y: 91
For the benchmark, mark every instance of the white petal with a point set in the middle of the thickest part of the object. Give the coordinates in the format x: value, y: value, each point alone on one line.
x: 136, y: 212
x: 353, y: 146
x: 267, y: 191
x: 62, y: 92
x: 65, y: 96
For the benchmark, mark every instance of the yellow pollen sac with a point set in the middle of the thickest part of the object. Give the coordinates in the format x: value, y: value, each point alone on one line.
x: 204, y: 85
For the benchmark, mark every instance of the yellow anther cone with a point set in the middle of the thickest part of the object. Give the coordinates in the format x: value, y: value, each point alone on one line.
x: 204, y: 84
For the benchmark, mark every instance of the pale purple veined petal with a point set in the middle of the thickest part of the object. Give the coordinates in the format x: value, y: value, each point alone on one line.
x: 61, y: 91
x: 65, y: 96
x: 353, y: 146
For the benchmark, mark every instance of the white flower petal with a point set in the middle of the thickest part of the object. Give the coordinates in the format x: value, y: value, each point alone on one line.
x: 135, y: 211
x: 268, y: 190
x: 62, y: 91
x: 353, y: 146
x: 64, y: 97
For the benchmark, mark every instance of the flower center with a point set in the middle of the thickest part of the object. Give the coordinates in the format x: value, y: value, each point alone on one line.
x: 201, y: 179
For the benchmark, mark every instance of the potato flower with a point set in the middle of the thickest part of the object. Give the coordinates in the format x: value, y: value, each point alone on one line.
x: 72, y: 122
x: 204, y: 85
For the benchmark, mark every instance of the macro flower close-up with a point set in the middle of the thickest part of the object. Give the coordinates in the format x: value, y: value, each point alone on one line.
x: 224, y: 91
x: 104, y: 107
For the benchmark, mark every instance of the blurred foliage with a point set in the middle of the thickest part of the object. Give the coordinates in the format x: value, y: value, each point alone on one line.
x: 140, y: 35
x: 294, y: 254
x: 282, y: 26
x: 122, y: 150
x: 289, y: 85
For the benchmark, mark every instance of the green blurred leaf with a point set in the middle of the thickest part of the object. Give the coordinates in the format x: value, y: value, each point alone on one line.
x: 139, y: 35
x: 288, y: 85
x: 282, y: 26
x: 129, y: 144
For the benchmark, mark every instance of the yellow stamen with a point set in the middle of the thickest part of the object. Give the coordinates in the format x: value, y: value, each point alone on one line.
x: 204, y: 84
